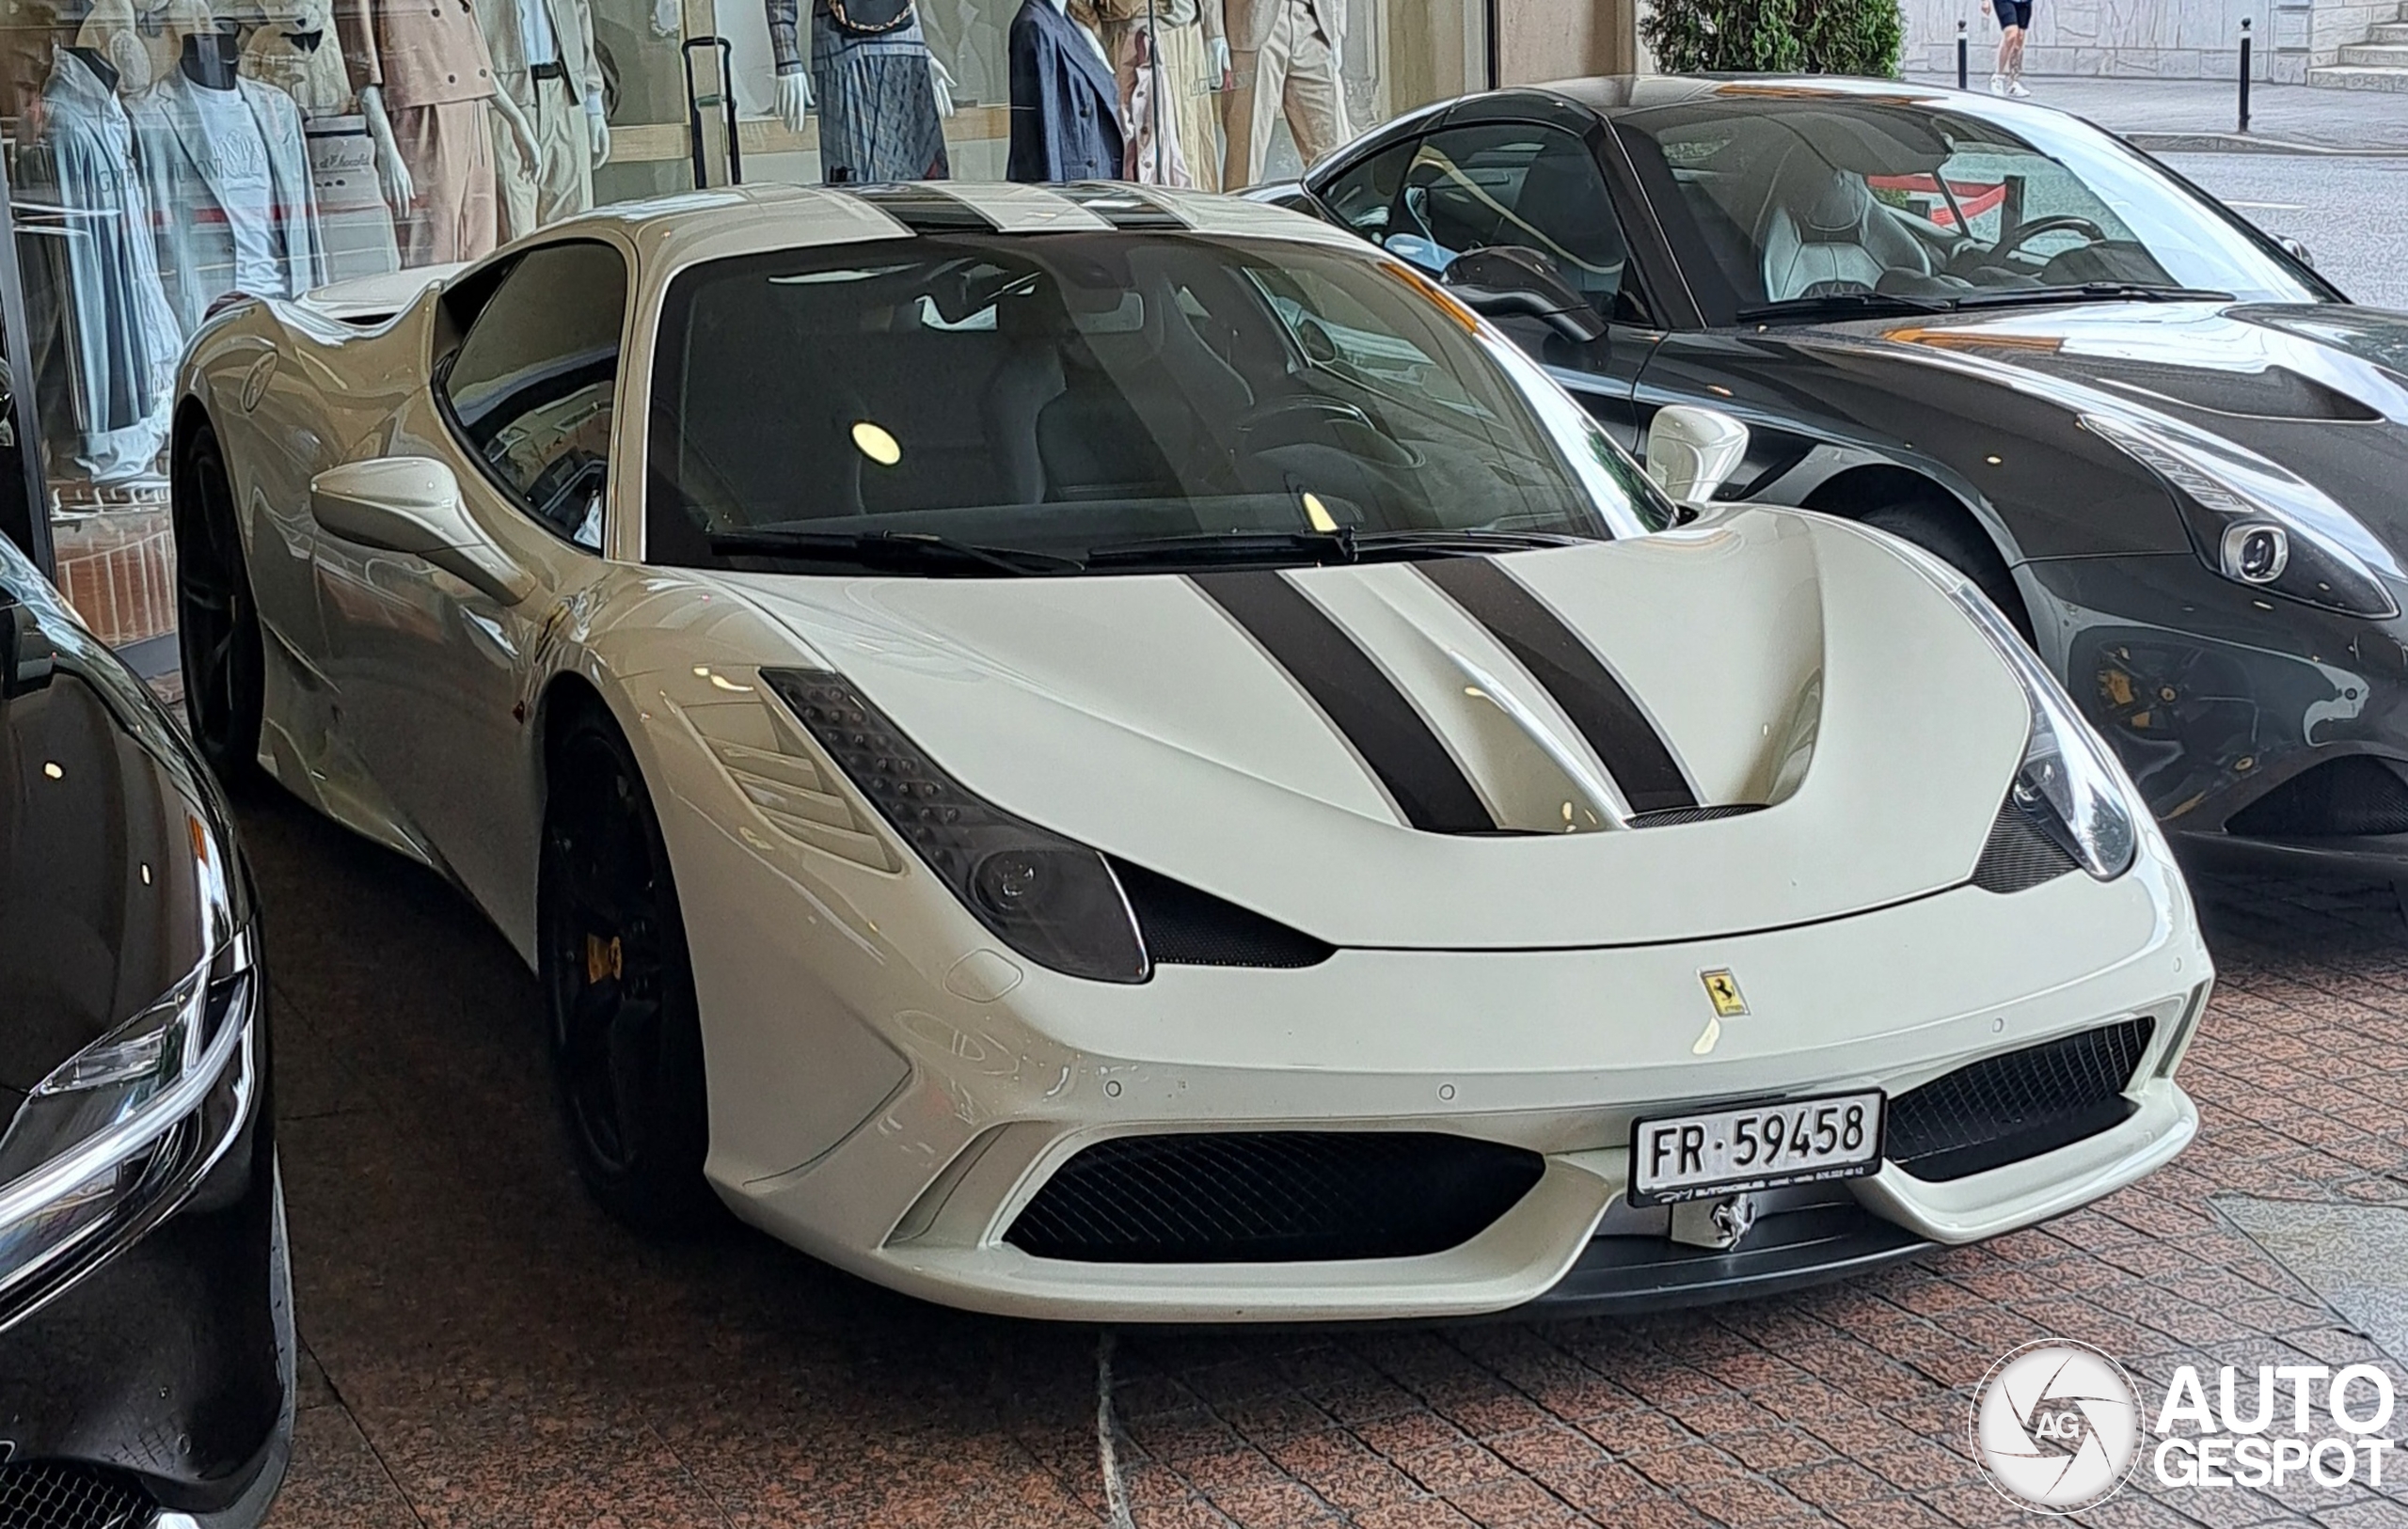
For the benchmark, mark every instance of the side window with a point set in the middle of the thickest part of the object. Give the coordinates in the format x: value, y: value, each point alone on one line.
x: 1364, y: 198
x: 1518, y: 184
x: 532, y: 384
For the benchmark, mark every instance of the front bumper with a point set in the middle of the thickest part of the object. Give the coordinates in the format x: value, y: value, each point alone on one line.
x: 990, y: 1086
x: 2218, y: 698
x: 166, y: 1370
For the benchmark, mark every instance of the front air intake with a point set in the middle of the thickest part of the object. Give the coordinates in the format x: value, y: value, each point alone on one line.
x: 2347, y: 797
x: 2004, y: 1109
x: 1268, y: 1197
x: 57, y: 1496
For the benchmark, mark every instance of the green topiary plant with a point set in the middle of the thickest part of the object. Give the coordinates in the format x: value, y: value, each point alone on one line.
x: 1774, y: 36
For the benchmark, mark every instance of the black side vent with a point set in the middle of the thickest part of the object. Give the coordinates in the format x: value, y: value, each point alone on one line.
x: 1261, y: 1197
x: 2018, y: 855
x: 1190, y: 928
x: 2004, y: 1109
x: 1669, y: 818
x: 2355, y: 794
x: 48, y: 1496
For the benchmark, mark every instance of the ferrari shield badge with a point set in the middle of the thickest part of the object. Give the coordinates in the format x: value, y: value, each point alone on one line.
x: 1722, y: 991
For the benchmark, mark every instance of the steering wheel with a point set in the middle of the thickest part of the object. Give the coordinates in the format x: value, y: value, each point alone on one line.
x: 2090, y: 232
x: 1305, y: 419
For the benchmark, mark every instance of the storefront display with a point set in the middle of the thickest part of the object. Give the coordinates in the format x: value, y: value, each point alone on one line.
x: 161, y: 154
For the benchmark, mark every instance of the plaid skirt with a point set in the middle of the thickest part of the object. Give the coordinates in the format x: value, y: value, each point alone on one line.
x: 877, y: 107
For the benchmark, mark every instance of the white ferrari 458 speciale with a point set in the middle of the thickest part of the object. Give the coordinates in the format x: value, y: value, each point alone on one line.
x: 1112, y: 753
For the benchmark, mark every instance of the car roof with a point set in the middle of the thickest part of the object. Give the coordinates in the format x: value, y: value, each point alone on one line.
x: 1612, y: 95
x: 670, y: 232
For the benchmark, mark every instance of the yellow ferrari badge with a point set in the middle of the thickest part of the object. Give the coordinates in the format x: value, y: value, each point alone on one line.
x: 1723, y: 989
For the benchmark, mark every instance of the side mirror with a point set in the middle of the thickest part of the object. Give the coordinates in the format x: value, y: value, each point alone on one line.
x: 2297, y: 251
x: 1692, y: 452
x: 1511, y: 282
x: 412, y: 505
x: 25, y: 652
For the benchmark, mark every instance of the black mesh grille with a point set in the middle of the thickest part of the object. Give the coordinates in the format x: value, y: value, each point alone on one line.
x: 2357, y: 794
x: 68, y: 1497
x: 2018, y: 856
x: 1667, y: 817
x: 1186, y: 927
x: 2005, y: 1107
x: 1245, y: 1197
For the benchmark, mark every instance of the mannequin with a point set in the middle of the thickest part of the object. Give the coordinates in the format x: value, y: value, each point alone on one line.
x: 1065, y: 99
x: 122, y: 339
x: 426, y: 87
x: 543, y: 62
x: 140, y: 39
x: 1287, y: 55
x: 228, y: 178
x: 1189, y: 65
x: 298, y: 55
x: 883, y: 97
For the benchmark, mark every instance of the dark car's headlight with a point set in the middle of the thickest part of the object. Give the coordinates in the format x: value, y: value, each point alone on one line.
x: 117, y: 1133
x: 2260, y: 524
x: 2068, y: 784
x: 1052, y: 899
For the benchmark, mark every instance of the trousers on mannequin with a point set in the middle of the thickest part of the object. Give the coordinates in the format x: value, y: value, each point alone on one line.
x: 426, y: 87
x: 1288, y: 53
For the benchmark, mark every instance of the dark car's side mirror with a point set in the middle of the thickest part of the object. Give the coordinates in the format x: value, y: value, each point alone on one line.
x: 1511, y: 282
x: 25, y: 652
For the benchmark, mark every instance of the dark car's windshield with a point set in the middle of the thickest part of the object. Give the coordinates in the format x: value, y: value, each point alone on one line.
x: 1799, y: 204
x: 984, y: 405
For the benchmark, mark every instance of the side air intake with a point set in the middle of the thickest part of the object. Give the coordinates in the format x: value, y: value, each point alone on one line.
x: 1183, y: 926
x: 2018, y: 855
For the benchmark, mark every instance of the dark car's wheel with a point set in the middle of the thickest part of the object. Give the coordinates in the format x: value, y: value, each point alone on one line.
x: 217, y: 627
x: 627, y: 1040
x: 1952, y: 537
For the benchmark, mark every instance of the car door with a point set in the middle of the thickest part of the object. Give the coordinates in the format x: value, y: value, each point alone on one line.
x: 435, y: 673
x: 1484, y: 185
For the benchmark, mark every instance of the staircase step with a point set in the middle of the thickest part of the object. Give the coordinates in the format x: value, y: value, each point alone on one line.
x: 2387, y: 32
x: 2353, y: 77
x: 2375, y: 55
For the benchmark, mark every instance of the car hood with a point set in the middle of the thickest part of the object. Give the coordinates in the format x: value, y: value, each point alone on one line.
x: 2322, y: 388
x: 1789, y: 663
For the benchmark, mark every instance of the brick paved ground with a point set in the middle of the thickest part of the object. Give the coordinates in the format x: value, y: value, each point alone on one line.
x: 484, y: 1349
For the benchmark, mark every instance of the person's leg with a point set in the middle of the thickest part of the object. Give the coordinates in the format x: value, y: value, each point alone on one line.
x: 2008, y: 33
x: 2022, y: 37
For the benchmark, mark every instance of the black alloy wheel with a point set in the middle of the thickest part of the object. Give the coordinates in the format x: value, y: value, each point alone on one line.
x: 217, y: 627
x: 626, y: 1041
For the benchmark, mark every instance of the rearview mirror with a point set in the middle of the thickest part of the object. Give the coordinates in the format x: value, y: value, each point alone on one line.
x: 412, y: 505
x: 1692, y: 452
x: 1511, y: 282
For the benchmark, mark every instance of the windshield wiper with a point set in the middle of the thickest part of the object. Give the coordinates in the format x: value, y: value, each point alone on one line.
x: 2089, y: 291
x: 1845, y: 304
x: 1338, y: 547
x: 1469, y: 542
x: 917, y: 551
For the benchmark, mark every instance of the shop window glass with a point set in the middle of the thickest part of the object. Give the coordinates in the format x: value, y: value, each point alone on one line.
x: 530, y: 387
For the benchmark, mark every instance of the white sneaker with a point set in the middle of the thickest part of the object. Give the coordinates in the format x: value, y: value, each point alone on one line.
x: 1998, y: 84
x: 2015, y: 87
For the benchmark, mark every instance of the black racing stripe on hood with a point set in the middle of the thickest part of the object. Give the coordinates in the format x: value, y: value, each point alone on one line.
x: 1361, y: 700
x: 1633, y: 751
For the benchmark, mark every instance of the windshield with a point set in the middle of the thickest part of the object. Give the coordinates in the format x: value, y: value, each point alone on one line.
x: 1805, y: 204
x: 980, y: 404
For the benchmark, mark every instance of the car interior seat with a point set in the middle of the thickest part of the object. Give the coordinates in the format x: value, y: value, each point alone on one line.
x: 1823, y: 232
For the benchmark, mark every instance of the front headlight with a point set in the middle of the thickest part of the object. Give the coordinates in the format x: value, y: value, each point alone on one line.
x: 119, y: 1132
x: 2260, y: 524
x: 2069, y: 785
x: 1052, y: 899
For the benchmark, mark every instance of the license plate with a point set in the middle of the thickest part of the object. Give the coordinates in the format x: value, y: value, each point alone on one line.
x: 1757, y: 1146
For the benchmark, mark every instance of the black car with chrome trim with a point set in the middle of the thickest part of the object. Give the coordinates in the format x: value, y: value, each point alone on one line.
x: 2155, y: 437
x: 146, y: 1329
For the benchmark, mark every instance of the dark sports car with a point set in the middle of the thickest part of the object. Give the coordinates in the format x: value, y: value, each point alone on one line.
x: 2159, y: 440
x: 146, y: 1327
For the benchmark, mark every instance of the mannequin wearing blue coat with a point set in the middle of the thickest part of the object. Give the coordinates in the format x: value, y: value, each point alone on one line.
x: 1065, y: 105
